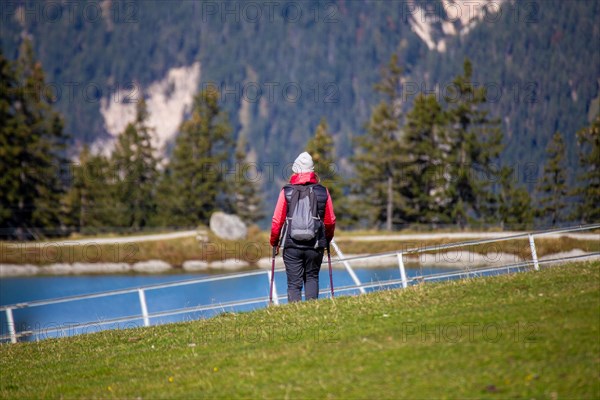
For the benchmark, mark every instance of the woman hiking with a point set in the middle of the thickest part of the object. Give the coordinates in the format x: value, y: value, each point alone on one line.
x: 304, y: 221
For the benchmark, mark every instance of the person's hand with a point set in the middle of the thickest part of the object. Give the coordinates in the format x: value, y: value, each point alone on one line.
x: 277, y: 251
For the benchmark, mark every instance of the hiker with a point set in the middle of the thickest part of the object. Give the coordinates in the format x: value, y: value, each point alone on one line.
x: 304, y: 212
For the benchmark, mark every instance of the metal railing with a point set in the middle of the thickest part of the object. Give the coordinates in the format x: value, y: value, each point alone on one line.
x: 13, y: 335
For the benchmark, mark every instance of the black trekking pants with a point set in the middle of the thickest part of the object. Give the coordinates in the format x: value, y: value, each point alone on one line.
x: 302, y: 267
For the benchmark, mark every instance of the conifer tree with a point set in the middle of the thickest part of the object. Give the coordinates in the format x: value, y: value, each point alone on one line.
x: 197, y: 167
x: 553, y: 188
x: 425, y: 148
x: 167, y: 210
x: 8, y: 178
x: 91, y: 200
x: 31, y: 149
x: 321, y: 148
x: 588, y: 141
x: 476, y: 142
x: 377, y: 160
x: 136, y: 166
x: 514, y: 203
x: 248, y: 200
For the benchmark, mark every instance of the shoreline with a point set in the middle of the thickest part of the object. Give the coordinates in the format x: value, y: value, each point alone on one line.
x: 454, y: 259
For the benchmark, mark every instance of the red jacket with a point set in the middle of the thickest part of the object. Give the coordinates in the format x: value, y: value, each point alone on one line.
x: 280, y: 212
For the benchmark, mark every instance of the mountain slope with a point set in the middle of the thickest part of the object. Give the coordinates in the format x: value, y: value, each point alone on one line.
x: 280, y: 67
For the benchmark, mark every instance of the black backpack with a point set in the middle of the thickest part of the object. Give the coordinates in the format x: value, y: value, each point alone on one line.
x: 303, y: 217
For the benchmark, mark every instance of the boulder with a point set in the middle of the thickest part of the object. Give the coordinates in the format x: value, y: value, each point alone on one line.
x: 18, y: 270
x: 231, y: 264
x: 195, y: 265
x: 227, y: 226
x: 57, y: 269
x: 152, y: 266
x: 100, y: 268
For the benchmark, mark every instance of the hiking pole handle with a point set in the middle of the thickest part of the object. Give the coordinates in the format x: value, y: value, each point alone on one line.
x: 274, y: 251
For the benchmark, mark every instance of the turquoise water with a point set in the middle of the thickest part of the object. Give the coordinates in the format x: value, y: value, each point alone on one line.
x: 64, y: 319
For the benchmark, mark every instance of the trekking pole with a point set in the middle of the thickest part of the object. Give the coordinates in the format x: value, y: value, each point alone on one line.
x: 330, y: 274
x: 272, y: 275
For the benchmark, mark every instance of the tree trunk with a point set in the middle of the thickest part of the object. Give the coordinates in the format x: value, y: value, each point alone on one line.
x: 389, y: 204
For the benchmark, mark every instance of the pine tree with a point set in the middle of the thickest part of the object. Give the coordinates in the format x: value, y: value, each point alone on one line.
x: 32, y: 144
x: 425, y: 150
x: 514, y: 203
x: 8, y: 166
x: 321, y: 148
x: 476, y: 142
x: 588, y: 141
x: 553, y: 188
x: 91, y: 200
x: 377, y: 160
x: 197, y: 167
x: 248, y: 200
x: 136, y: 166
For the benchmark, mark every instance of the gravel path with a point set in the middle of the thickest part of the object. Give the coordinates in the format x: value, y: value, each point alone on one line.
x: 362, y: 238
x: 113, y: 240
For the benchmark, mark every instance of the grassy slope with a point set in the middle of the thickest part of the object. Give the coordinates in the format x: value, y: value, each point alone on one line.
x: 524, y: 335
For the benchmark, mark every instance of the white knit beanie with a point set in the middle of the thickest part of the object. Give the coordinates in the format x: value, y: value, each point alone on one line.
x: 304, y: 163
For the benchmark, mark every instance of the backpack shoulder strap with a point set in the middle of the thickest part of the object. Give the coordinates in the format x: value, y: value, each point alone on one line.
x: 294, y: 197
x: 314, y: 209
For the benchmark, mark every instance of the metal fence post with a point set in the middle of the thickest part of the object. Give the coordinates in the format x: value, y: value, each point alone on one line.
x: 11, y: 325
x: 348, y: 267
x: 536, y: 266
x: 275, y: 296
x: 144, y: 307
x: 402, y: 270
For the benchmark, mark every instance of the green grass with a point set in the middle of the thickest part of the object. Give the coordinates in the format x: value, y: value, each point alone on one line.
x: 528, y: 335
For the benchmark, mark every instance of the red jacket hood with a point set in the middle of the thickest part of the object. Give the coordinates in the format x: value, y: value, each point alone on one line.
x: 303, y: 178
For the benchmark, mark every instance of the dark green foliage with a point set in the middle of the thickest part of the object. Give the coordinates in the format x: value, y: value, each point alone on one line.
x: 426, y: 154
x: 475, y: 146
x: 91, y: 203
x: 552, y: 187
x: 376, y: 160
x: 588, y: 190
x: 31, y: 151
x: 199, y: 163
x: 322, y: 149
x: 444, y: 167
x: 514, y: 202
x: 540, y: 62
x: 247, y: 188
x: 136, y: 170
